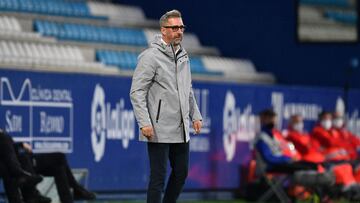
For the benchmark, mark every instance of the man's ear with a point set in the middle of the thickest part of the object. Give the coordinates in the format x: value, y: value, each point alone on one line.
x: 163, y: 31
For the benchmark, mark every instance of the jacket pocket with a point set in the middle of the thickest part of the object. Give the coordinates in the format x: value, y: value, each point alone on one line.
x: 158, y: 111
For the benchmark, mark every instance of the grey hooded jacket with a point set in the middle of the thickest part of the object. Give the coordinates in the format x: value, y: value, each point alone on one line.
x: 161, y: 93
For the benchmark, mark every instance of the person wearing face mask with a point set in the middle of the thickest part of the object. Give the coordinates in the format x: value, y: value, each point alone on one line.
x: 351, y: 142
x: 274, y: 149
x: 302, y: 141
x: 329, y: 143
x: 345, y: 175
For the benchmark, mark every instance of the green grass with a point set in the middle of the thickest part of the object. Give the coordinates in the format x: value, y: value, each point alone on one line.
x: 190, y: 201
x: 213, y: 201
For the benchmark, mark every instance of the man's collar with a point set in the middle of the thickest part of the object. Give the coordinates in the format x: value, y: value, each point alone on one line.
x: 163, y: 41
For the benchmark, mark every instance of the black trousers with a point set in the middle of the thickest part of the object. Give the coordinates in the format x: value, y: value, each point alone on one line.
x: 10, y: 168
x: 51, y: 164
x: 293, y: 167
x: 10, y: 185
x: 159, y: 154
x: 8, y: 155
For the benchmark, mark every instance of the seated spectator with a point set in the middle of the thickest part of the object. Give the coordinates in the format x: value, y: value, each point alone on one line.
x: 304, y: 145
x: 14, y: 176
x: 56, y: 165
x: 309, y: 151
x: 351, y: 141
x: 329, y: 143
x: 273, y: 152
x: 20, y: 157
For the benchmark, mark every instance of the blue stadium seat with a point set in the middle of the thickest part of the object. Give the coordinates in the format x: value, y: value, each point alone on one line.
x: 49, y: 7
x: 197, y: 66
x: 126, y: 60
x: 343, y: 17
x: 340, y: 3
x: 123, y: 59
x: 91, y: 33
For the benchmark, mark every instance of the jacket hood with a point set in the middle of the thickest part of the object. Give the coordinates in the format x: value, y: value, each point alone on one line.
x: 166, y: 49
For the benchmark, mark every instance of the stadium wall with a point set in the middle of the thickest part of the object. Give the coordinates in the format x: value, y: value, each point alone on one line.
x: 90, y: 117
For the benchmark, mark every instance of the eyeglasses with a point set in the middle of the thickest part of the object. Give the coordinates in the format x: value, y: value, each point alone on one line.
x: 176, y: 28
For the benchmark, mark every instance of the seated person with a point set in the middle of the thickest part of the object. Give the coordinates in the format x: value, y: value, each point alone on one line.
x: 271, y: 150
x: 304, y: 145
x: 328, y: 142
x: 56, y: 165
x: 14, y: 176
x: 48, y: 164
x: 309, y: 151
x: 351, y: 141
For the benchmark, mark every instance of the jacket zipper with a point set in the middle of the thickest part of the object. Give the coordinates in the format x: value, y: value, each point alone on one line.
x: 180, y: 57
x: 177, y: 88
x: 158, y: 112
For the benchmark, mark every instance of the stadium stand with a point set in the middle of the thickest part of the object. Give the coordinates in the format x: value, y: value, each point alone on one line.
x: 343, y: 17
x: 327, y: 20
x: 337, y: 3
x: 48, y: 7
x: 96, y: 37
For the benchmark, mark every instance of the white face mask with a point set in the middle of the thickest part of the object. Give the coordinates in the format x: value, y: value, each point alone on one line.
x: 338, y: 122
x: 326, y: 124
x: 298, y: 126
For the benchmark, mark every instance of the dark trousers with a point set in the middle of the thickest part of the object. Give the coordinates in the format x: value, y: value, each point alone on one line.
x: 10, y: 168
x: 51, y: 164
x: 10, y: 185
x: 159, y: 154
x: 8, y: 155
x: 293, y: 167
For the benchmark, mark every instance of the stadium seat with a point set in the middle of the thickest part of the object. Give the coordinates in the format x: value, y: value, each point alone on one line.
x: 122, y: 13
x: 198, y: 67
x: 343, y: 17
x: 123, y: 59
x: 339, y: 3
x: 9, y: 24
x: 28, y: 53
x: 49, y: 7
x: 91, y: 33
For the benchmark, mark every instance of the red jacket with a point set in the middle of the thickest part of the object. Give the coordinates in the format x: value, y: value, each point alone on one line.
x: 332, y: 146
x: 286, y: 146
x: 306, y: 146
x: 350, y: 141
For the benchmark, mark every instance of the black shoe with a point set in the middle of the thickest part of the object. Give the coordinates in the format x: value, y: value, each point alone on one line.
x: 36, y: 197
x: 28, y: 179
x: 81, y: 193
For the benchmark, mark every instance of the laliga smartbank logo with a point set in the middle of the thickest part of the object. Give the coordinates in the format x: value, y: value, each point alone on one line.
x: 109, y: 123
x: 237, y: 125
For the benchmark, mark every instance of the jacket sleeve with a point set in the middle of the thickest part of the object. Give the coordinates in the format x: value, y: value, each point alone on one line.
x: 268, y: 156
x: 141, y: 82
x: 194, y: 109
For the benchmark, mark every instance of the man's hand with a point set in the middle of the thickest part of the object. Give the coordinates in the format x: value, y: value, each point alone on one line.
x: 197, y: 126
x: 27, y: 147
x: 147, y: 131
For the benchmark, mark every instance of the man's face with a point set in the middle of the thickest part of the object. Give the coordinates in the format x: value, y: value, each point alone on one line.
x: 326, y: 121
x: 326, y: 116
x: 173, y: 31
x: 297, y: 123
x: 268, y: 121
x: 296, y: 119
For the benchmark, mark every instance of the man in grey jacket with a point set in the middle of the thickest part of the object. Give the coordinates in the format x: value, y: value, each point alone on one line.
x: 164, y: 105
